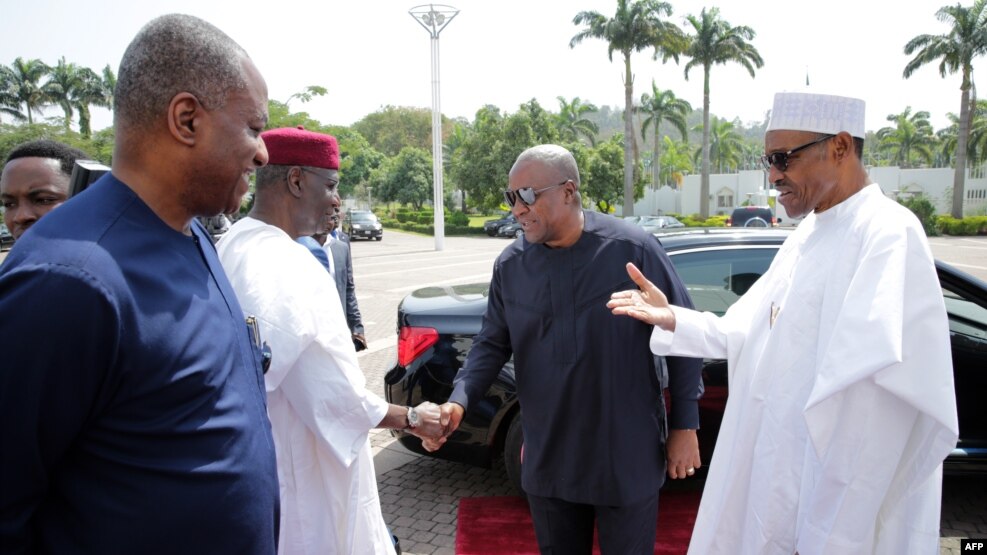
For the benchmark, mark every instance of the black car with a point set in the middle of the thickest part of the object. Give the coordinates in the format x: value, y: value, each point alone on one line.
x: 512, y: 229
x: 491, y: 227
x: 437, y: 325
x: 753, y: 216
x: 6, y: 239
x: 363, y: 224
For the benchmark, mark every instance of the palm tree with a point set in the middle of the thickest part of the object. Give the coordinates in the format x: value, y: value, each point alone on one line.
x: 26, y: 85
x: 571, y: 122
x: 662, y: 106
x: 94, y: 90
x: 716, y: 42
x: 675, y: 161
x: 910, y: 137
x: 635, y: 26
x: 9, y: 103
x: 726, y: 146
x: 62, y: 86
x: 955, y: 51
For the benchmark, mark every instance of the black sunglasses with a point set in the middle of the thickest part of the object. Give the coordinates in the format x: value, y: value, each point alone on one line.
x: 528, y: 195
x: 780, y: 159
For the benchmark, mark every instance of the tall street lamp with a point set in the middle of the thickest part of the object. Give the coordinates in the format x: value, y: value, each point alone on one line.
x: 434, y: 18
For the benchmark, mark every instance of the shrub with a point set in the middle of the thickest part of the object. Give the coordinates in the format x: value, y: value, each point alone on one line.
x: 973, y: 225
x: 925, y: 211
x: 457, y: 218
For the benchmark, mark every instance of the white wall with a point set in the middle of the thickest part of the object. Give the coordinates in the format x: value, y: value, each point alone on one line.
x: 936, y: 184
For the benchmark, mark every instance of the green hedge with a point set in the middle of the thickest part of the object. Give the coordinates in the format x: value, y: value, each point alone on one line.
x: 971, y: 225
x: 694, y: 220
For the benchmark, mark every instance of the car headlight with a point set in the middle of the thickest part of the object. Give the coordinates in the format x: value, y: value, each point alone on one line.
x: 355, y: 226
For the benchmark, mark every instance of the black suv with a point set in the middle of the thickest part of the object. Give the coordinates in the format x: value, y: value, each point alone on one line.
x: 363, y: 224
x: 753, y: 216
x: 436, y: 326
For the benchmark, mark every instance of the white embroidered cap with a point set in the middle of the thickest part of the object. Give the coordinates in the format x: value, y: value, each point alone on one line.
x: 821, y: 113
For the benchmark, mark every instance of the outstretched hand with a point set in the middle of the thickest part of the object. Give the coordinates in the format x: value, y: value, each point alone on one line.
x: 648, y: 304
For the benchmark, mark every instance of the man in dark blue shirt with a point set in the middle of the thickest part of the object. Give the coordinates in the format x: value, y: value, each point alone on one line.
x: 590, y: 391
x: 132, y: 404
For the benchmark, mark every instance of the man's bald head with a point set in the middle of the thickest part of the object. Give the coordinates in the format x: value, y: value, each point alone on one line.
x: 559, y: 159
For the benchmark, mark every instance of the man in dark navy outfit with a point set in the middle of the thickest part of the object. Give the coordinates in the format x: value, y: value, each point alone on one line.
x: 132, y: 403
x: 591, y: 397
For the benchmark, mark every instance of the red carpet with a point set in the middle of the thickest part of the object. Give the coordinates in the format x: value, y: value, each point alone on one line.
x: 502, y: 525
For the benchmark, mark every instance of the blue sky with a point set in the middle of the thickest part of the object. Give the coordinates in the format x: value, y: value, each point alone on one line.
x: 371, y: 53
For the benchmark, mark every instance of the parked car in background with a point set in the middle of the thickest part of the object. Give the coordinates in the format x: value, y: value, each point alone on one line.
x: 6, y: 239
x: 491, y: 227
x: 510, y: 229
x: 753, y: 216
x: 363, y: 224
x: 652, y: 224
x: 436, y: 326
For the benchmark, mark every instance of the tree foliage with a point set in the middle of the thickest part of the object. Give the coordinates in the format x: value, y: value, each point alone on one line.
x: 910, y: 139
x: 572, y: 122
x: 392, y: 128
x: 603, y: 175
x: 955, y: 52
x: 407, y: 178
x: 726, y: 147
x: 71, y: 87
x: 662, y: 106
x: 635, y: 26
x: 715, y: 41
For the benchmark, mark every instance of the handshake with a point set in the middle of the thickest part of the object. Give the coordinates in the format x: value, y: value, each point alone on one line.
x: 436, y: 423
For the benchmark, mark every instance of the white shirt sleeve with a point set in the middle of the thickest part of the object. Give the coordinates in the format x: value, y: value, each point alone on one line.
x: 697, y: 334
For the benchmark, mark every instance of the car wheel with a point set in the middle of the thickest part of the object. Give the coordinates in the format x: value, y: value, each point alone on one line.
x: 512, y: 453
x: 756, y: 222
x: 378, y: 238
x: 518, y: 233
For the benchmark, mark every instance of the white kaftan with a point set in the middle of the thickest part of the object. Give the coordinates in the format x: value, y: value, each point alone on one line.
x: 841, y: 405
x: 321, y: 412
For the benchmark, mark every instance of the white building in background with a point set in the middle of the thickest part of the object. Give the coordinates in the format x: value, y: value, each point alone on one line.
x: 728, y: 191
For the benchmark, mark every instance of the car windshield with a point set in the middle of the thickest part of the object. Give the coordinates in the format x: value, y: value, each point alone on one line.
x: 364, y: 217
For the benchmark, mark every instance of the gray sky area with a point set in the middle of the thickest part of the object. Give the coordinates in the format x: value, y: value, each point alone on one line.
x: 371, y: 53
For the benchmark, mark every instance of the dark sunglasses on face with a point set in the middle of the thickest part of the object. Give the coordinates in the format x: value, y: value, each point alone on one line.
x: 780, y: 159
x: 528, y: 195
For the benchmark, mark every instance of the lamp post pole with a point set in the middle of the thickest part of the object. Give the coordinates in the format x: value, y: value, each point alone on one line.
x: 370, y: 199
x: 434, y: 18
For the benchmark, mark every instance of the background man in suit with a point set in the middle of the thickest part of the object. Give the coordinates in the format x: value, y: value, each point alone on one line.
x: 337, y: 247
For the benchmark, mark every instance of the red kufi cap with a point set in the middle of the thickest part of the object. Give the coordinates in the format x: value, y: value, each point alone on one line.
x: 290, y: 146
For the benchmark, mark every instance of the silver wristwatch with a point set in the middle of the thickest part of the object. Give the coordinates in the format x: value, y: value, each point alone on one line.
x: 413, y: 419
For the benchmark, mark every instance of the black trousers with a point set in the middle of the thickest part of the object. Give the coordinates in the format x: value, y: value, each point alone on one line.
x: 565, y: 528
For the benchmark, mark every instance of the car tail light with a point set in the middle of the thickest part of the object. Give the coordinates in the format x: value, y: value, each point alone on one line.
x: 412, y: 342
x: 729, y: 222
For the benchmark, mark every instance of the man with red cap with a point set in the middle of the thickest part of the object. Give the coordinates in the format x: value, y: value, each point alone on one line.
x: 321, y: 412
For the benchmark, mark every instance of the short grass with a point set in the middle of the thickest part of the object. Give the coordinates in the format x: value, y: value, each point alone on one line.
x: 477, y: 221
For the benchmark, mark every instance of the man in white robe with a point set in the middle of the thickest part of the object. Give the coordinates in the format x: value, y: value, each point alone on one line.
x: 321, y: 412
x: 841, y: 404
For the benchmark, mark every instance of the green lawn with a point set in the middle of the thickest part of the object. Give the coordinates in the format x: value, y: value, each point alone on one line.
x: 477, y: 221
